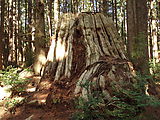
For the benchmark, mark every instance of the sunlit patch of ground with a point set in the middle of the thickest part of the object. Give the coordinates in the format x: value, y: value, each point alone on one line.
x: 6, y: 102
x: 2, y: 112
x: 4, y: 92
x: 34, y: 107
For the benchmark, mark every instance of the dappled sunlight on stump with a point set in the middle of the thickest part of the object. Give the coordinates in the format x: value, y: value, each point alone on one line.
x: 85, y: 49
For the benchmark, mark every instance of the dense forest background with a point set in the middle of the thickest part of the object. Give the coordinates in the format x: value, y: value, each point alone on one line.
x: 27, y: 27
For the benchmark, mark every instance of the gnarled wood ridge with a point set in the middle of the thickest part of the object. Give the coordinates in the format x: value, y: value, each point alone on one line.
x: 86, y: 49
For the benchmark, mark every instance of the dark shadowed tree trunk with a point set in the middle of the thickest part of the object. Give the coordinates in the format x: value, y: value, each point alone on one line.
x: 86, y: 48
x: 137, y: 34
x: 105, y: 7
x: 116, y: 15
x: 20, y: 31
x: 49, y: 16
x: 29, y: 51
x: 2, y: 3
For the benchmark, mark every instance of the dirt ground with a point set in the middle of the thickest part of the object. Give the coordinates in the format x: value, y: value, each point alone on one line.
x: 34, y: 107
x: 58, y: 112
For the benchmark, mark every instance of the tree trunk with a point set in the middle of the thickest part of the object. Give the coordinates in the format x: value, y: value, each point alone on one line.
x: 137, y: 44
x: 11, y: 35
x: 40, y: 52
x: 113, y: 12
x: 20, y: 32
x: 86, y: 48
x: 2, y: 2
x: 15, y: 46
x: 154, y: 31
x: 56, y: 13
x: 105, y: 7
x: 49, y: 16
x: 116, y: 15
x: 29, y: 49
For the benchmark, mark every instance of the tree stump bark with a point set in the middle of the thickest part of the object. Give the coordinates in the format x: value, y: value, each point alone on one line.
x: 86, y: 48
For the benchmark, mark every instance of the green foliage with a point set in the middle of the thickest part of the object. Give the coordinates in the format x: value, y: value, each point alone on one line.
x: 11, y: 77
x: 56, y: 101
x: 12, y: 102
x: 155, y: 67
x: 139, y: 47
x: 89, y: 109
x: 125, y: 104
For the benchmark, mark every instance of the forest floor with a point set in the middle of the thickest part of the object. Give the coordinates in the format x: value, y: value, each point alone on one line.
x: 34, y: 107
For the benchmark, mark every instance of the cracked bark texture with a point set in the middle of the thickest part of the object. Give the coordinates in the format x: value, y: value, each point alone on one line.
x: 87, y: 47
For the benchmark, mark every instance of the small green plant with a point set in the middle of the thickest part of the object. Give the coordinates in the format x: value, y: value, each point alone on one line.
x: 11, y: 102
x: 10, y: 77
x: 90, y: 109
x: 155, y: 67
x: 125, y: 104
x: 56, y: 100
x: 128, y: 104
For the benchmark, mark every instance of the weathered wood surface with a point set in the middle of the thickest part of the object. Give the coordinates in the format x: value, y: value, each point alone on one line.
x: 87, y: 47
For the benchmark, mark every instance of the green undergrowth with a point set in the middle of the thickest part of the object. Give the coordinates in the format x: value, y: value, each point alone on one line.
x: 125, y: 104
x: 11, y: 103
x: 10, y: 77
x: 13, y: 83
x: 155, y: 68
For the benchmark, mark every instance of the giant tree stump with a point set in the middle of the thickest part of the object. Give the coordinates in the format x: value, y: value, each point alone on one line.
x: 86, y: 48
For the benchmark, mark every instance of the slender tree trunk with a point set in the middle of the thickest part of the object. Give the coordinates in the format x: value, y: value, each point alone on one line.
x: 15, y: 32
x: 105, y: 7
x: 96, y: 9
x: 113, y: 12
x: 116, y: 14
x: 49, y: 17
x: 2, y: 2
x: 154, y: 31
x: 56, y: 12
x: 20, y: 33
x: 123, y: 31
x: 6, y: 48
x: 29, y: 26
x: 28, y: 50
x: 11, y: 37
